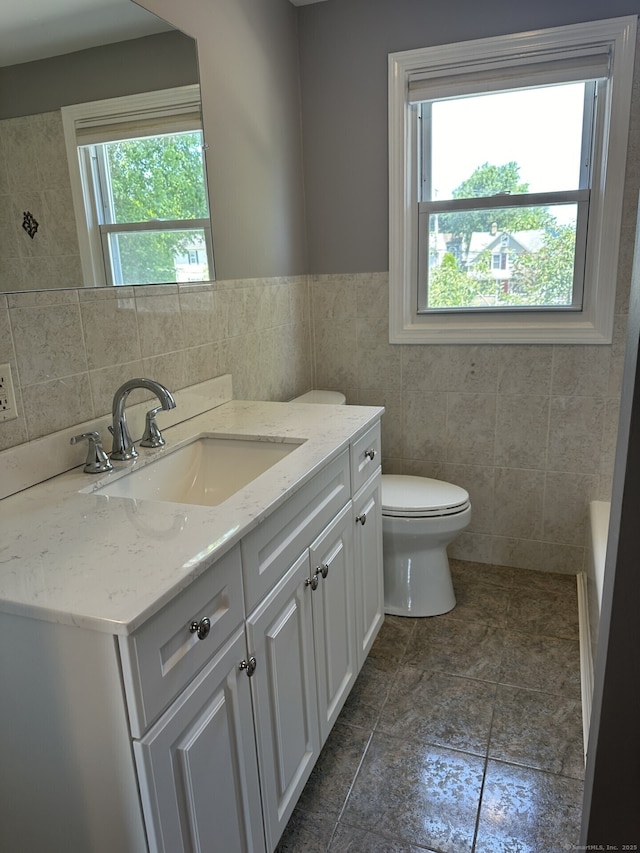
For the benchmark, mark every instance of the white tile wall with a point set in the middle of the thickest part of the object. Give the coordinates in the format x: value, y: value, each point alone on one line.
x: 529, y: 431
x: 70, y: 349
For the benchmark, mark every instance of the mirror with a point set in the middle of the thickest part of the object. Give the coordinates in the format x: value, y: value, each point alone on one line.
x: 68, y: 52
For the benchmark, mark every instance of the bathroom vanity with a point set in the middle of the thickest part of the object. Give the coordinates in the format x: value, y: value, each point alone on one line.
x: 170, y: 671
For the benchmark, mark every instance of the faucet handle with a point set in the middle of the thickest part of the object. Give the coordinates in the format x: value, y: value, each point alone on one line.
x: 97, y: 460
x: 152, y: 436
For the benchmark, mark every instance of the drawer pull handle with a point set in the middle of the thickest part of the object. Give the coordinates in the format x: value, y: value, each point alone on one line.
x: 362, y: 519
x: 249, y: 666
x: 201, y: 628
x: 370, y: 454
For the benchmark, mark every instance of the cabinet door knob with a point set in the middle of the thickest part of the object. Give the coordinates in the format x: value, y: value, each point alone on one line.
x: 370, y: 454
x: 312, y: 581
x: 201, y: 628
x: 362, y: 518
x: 249, y: 666
x: 323, y: 569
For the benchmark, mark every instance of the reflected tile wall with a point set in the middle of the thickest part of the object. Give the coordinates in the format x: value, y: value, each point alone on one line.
x: 34, y: 177
x: 529, y: 431
x: 70, y: 349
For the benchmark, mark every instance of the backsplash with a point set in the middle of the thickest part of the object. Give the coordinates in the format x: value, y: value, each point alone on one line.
x: 70, y: 349
x: 529, y: 431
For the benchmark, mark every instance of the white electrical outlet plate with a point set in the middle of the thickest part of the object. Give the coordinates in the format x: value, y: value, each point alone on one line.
x: 7, y: 396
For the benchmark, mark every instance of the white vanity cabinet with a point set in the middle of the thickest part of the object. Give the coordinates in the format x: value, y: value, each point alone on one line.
x: 334, y: 622
x: 304, y: 639
x: 169, y: 739
x: 197, y: 765
x: 280, y: 631
x: 311, y: 578
x: 369, y: 588
x: 365, y: 457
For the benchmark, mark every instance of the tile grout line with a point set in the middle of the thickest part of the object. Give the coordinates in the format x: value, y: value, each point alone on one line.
x: 370, y: 738
x: 493, y: 712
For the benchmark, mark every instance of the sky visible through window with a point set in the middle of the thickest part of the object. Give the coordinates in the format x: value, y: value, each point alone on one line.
x: 538, y: 128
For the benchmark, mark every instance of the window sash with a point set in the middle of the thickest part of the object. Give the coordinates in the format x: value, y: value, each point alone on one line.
x: 502, y: 200
x: 593, y: 90
x: 156, y: 225
x: 426, y: 209
x: 111, y: 264
x: 580, y: 196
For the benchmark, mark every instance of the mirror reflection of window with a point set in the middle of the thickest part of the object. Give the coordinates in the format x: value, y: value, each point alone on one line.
x: 151, y: 203
x: 138, y: 179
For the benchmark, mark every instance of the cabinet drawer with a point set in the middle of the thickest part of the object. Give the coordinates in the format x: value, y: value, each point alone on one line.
x: 270, y: 549
x: 366, y: 456
x: 160, y: 659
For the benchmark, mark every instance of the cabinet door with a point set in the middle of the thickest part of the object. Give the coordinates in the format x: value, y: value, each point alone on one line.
x: 197, y: 765
x: 334, y: 618
x: 367, y: 512
x: 280, y: 635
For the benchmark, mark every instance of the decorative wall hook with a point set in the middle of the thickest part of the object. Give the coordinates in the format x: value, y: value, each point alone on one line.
x: 29, y: 224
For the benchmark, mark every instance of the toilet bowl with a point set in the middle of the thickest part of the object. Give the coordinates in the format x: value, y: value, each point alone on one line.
x: 333, y: 398
x: 420, y: 517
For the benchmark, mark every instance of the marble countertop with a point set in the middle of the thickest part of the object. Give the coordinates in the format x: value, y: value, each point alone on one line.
x: 108, y: 564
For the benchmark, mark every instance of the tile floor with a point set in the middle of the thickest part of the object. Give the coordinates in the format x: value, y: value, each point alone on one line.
x: 463, y: 733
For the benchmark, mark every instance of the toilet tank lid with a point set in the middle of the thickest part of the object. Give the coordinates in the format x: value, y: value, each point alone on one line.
x: 404, y: 493
x: 335, y: 398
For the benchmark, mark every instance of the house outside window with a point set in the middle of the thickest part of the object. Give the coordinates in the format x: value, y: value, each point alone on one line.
x: 506, y: 175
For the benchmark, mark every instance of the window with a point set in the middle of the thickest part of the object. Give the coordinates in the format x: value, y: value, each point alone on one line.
x: 507, y: 161
x: 139, y: 187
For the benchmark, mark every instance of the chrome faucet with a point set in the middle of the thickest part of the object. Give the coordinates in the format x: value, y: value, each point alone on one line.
x: 123, y: 447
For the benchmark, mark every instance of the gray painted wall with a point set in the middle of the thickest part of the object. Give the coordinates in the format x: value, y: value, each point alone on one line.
x: 139, y: 65
x: 343, y: 63
x: 248, y: 55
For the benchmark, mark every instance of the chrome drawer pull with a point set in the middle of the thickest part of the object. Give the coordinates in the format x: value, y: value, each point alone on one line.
x: 362, y: 518
x: 323, y: 569
x: 248, y: 666
x: 312, y: 582
x: 202, y: 627
x: 370, y: 454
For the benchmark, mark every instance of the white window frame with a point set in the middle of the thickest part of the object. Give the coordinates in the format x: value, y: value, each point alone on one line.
x: 594, y: 322
x: 162, y: 111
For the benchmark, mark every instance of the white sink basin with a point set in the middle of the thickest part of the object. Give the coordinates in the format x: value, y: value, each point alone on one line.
x: 206, y: 472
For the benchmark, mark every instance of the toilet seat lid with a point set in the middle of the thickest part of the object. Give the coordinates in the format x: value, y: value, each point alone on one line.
x: 404, y: 495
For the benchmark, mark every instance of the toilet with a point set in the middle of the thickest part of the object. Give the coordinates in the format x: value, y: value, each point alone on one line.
x: 420, y: 517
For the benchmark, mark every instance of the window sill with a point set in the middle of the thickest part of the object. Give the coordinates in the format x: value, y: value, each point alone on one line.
x: 532, y: 328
